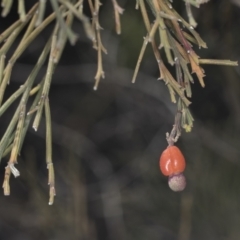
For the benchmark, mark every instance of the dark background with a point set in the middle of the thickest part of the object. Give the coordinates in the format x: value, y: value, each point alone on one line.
x: 107, y: 143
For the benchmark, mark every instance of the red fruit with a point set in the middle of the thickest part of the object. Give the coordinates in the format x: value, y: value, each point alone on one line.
x: 172, y: 162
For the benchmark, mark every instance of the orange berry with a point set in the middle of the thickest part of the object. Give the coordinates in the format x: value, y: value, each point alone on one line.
x: 172, y: 161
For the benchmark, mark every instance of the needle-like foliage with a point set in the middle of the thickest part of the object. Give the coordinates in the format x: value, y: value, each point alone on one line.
x: 168, y: 34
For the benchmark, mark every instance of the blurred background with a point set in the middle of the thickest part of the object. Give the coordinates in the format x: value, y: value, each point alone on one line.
x: 107, y: 143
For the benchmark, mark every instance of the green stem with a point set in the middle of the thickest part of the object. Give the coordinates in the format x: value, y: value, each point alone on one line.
x: 218, y: 62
